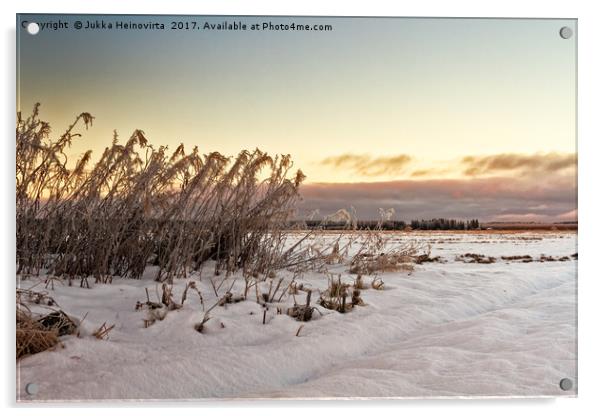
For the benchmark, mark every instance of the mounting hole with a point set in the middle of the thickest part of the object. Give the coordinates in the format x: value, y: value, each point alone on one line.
x: 31, y: 389
x: 566, y: 384
x: 33, y: 28
x: 566, y: 32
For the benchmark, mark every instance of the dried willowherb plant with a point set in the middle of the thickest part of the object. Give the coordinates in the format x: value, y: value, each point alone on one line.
x: 140, y: 205
x: 378, y: 254
x: 340, y: 296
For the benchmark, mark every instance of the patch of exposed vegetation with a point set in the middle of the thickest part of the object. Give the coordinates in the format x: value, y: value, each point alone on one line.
x: 426, y: 258
x: 475, y: 258
x: 523, y: 259
x: 340, y: 297
x: 544, y: 258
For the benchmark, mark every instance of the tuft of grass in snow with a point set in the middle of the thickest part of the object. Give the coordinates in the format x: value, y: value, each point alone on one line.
x: 336, y: 296
x: 32, y: 337
x: 39, y: 332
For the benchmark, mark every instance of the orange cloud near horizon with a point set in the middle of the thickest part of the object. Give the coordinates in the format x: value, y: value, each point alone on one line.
x: 367, y: 168
x: 365, y: 165
x: 535, y: 163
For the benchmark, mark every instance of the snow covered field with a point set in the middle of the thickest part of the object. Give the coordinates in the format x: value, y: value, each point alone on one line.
x: 445, y: 329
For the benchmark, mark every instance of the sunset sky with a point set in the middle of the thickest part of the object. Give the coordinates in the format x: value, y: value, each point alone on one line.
x: 465, y: 118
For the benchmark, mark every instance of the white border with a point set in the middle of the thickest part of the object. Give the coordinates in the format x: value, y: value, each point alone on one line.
x: 590, y: 105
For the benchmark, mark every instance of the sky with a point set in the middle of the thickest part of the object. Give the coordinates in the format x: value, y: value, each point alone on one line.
x: 463, y: 118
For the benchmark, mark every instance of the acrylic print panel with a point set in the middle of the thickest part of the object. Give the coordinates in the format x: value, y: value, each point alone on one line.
x: 295, y: 207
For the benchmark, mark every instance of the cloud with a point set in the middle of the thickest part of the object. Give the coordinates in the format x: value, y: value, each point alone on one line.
x: 421, y: 172
x: 483, y: 198
x: 370, y: 166
x: 503, y: 164
x: 569, y: 216
x: 512, y: 162
x: 431, y: 172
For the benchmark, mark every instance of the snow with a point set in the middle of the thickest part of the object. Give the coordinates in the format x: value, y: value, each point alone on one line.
x: 445, y: 329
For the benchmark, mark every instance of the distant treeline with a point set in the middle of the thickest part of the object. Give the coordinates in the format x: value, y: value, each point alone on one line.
x: 432, y: 224
x: 564, y: 225
x: 445, y: 224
